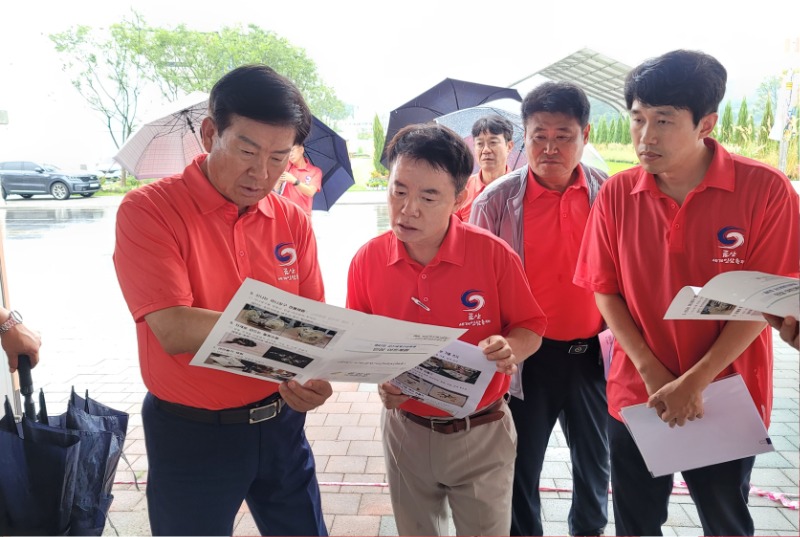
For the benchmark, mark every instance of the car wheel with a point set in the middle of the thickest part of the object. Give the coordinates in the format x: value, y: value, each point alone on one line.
x: 27, y: 196
x: 87, y: 194
x: 59, y: 191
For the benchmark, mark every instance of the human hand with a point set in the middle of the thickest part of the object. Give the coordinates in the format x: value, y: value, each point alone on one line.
x: 286, y: 177
x: 391, y: 395
x: 308, y: 396
x: 21, y: 340
x: 497, y: 349
x: 678, y: 401
x: 787, y: 327
x: 655, y: 379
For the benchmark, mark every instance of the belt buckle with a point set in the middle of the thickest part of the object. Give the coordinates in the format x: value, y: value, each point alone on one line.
x: 578, y: 349
x: 438, y: 421
x: 266, y: 412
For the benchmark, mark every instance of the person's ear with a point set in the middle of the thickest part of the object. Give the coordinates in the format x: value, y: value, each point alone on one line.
x: 586, y: 132
x: 460, y: 198
x: 707, y: 124
x: 208, y: 129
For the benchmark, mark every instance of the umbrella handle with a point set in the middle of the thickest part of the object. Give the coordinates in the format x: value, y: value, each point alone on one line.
x: 26, y: 385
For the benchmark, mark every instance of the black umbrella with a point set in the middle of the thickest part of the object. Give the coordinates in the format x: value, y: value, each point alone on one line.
x: 447, y: 96
x: 328, y: 151
x: 82, y: 483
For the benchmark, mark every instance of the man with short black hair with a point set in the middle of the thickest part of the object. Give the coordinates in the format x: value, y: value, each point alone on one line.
x: 541, y: 210
x: 492, y: 138
x: 690, y: 211
x: 184, y: 246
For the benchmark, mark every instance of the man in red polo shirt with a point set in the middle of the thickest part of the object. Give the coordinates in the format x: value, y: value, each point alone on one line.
x: 493, y: 142
x: 689, y: 212
x: 301, y: 180
x: 444, y: 272
x: 541, y: 210
x: 184, y: 246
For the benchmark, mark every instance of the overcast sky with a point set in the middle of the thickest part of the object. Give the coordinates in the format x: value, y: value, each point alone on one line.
x: 379, y: 54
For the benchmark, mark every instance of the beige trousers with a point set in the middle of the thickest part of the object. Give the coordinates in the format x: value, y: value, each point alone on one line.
x: 472, y: 470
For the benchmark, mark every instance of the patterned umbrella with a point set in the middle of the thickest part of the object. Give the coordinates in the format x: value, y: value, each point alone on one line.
x: 165, y: 146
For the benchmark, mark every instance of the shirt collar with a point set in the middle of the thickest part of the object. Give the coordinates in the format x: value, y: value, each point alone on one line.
x: 721, y: 172
x: 533, y: 189
x: 452, y: 249
x: 208, y: 198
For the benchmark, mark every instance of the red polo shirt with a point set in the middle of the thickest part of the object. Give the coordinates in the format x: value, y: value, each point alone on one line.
x: 307, y: 174
x: 475, y: 281
x: 474, y: 187
x: 554, y: 223
x: 641, y: 244
x: 180, y: 243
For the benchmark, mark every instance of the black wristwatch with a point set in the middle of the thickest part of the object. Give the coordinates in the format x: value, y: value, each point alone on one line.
x: 296, y: 181
x: 14, y: 318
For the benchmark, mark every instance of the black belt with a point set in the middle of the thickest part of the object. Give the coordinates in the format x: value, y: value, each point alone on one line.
x: 257, y: 412
x: 487, y: 414
x: 576, y: 346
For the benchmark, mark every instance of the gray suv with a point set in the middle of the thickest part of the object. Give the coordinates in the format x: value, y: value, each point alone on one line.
x: 27, y: 178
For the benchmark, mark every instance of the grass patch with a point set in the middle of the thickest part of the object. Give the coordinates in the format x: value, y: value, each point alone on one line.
x: 616, y: 166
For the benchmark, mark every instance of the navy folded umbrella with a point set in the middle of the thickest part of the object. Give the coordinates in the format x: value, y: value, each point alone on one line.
x: 38, y: 469
x: 65, y: 466
x: 328, y: 151
x: 447, y: 96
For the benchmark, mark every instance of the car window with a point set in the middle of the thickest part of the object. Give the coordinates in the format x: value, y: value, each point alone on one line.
x: 29, y: 166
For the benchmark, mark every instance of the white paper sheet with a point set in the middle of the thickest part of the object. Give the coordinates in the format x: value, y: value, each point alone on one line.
x: 739, y: 295
x: 272, y: 335
x: 730, y: 429
x: 453, y: 380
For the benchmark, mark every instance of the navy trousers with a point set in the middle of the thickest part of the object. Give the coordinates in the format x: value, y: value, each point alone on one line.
x: 720, y: 492
x: 200, y: 473
x: 572, y: 389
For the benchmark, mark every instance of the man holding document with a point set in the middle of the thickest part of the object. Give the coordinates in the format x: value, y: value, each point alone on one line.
x: 690, y: 211
x: 184, y: 246
x: 432, y: 268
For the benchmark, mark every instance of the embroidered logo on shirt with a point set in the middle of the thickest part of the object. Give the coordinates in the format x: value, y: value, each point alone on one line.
x: 730, y: 238
x: 308, y: 179
x: 472, y: 300
x: 285, y: 254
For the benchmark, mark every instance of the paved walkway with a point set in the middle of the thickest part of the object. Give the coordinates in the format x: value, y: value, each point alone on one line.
x: 346, y: 440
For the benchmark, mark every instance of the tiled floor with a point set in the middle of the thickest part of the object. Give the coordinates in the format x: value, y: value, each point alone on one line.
x: 345, y: 437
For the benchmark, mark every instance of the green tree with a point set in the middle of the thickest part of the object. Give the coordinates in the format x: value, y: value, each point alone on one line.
x: 767, y: 92
x: 611, y: 138
x: 619, y: 130
x: 626, y: 133
x: 726, y: 125
x: 766, y: 124
x: 106, y: 71
x: 740, y: 133
x: 110, y: 68
x: 182, y: 60
x: 378, y: 139
x: 602, y: 131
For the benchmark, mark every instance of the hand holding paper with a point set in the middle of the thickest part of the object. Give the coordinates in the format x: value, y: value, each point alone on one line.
x: 678, y: 401
x: 730, y: 429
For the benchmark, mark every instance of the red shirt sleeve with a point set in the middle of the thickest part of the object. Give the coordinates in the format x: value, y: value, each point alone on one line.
x: 596, y: 269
